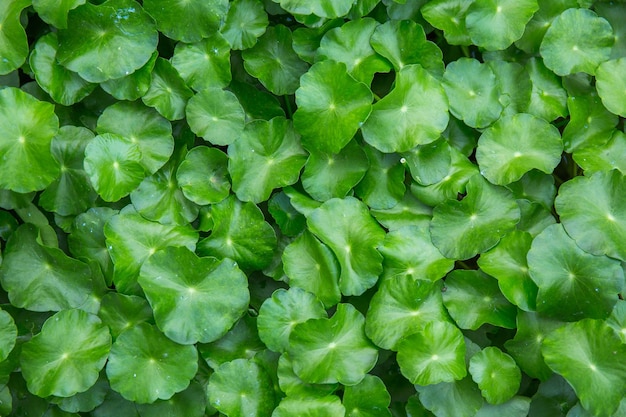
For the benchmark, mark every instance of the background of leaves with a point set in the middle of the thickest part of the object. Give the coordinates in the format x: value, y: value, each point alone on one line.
x: 323, y: 208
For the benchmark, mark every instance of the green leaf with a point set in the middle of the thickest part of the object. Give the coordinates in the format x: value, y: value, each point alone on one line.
x: 114, y: 166
x: 408, y: 252
x: 507, y: 263
x: 42, y: 278
x: 332, y: 350
x: 408, y: 212
x: 245, y: 22
x: 289, y: 220
x: 350, y: 44
x: 202, y: 163
x: 329, y: 96
x: 294, y: 387
x: 472, y: 92
x: 353, y: 237
x: 462, y: 229
x: 131, y: 240
x: 603, y: 158
x: 233, y: 395
x: 537, y: 145
x: 240, y: 233
x: 430, y: 163
x: 204, y: 64
x: 573, y: 284
x: 8, y: 336
x: 321, y: 8
x: 590, y: 123
x: 168, y: 93
x: 548, y: 98
x: 473, y: 299
x: 449, y: 16
x: 144, y: 365
x: 280, y: 313
x: 577, y: 41
x: 368, y: 398
x: 64, y: 86
x: 96, y: 34
x: 13, y: 40
x: 590, y: 209
x: 328, y: 175
x: 496, y: 374
x: 256, y: 103
x: 134, y: 85
x: 414, y: 113
x: 400, y: 307
x: 188, y: 403
x: 515, y: 86
x: 382, y: 187
x: 187, y: 21
x: 268, y: 155
x: 72, y: 192
x: 306, y: 40
x: 121, y: 312
x: 452, y: 399
x: 27, y: 127
x: 216, y: 116
x: 610, y: 86
x: 273, y: 61
x: 87, y: 400
x: 617, y: 319
x: 403, y: 42
x: 540, y: 22
x: 311, y: 265
x: 142, y: 126
x: 55, y: 12
x: 590, y: 356
x: 66, y: 357
x: 496, y: 24
x: 307, y: 406
x: 242, y: 341
x: 193, y: 299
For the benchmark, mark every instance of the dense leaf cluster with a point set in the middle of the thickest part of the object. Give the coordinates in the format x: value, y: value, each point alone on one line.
x: 312, y: 208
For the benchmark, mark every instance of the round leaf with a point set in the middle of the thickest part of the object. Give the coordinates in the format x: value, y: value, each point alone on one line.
x: 537, y: 145
x: 577, y: 41
x: 27, y: 127
x: 590, y: 356
x: 496, y: 374
x: 204, y: 64
x: 548, y: 99
x: 434, y: 354
x: 462, y: 229
x: 96, y: 34
x: 472, y: 92
x: 573, y: 284
x: 452, y: 399
x: 242, y: 341
x: 8, y: 334
x: 216, y: 116
x: 55, y: 12
x: 332, y: 350
x: 611, y: 86
x: 67, y: 356
x: 168, y: 93
x: 144, y: 365
x: 203, y: 175
x: 329, y: 96
x: 134, y: 85
x: 268, y: 155
x: 245, y: 22
x: 346, y: 226
x: 241, y: 388
x: 368, y: 398
x: 193, y: 299
x: 294, y: 387
x: 414, y: 113
x: 187, y: 21
x: 64, y: 86
x: 13, y: 40
x: 590, y: 123
x: 279, y: 314
x: 382, y: 187
x: 449, y: 16
x: 592, y: 158
x: 121, y: 312
x: 400, y: 307
x: 593, y: 212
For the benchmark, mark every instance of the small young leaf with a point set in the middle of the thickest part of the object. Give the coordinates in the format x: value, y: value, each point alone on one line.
x: 496, y: 374
x: 245, y: 22
x: 216, y: 116
x: 368, y: 398
x: 204, y: 64
x: 203, y: 175
x: 168, y: 93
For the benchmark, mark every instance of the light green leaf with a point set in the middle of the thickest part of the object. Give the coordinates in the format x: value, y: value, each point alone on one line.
x: 27, y: 127
x: 452, y: 399
x: 414, y: 113
x: 245, y: 22
x: 87, y: 400
x: 514, y: 84
x: 430, y: 163
x: 240, y: 233
x: 64, y: 86
x: 408, y: 212
x: 577, y: 41
x: 268, y: 155
x: 537, y: 145
x: 400, y: 307
x: 144, y: 365
x: 121, y: 312
x: 449, y: 16
x: 235, y: 395
x: 590, y: 123
x: 496, y: 24
x: 603, y: 158
x: 96, y: 34
x: 332, y: 350
x: 382, y: 187
x: 168, y: 93
x: 193, y: 299
x: 548, y: 98
x: 55, y: 12
x: 321, y: 8
x: 462, y: 229
x: 187, y: 21
x: 590, y: 356
x: 329, y: 96
x: 134, y: 85
x: 573, y: 284
x: 496, y: 374
x: 353, y: 236
x: 368, y: 398
x: 310, y: 406
x: 8, y: 334
x: 203, y: 175
x: 13, y: 40
x: 242, y: 341
x: 611, y: 86
x: 188, y: 403
x: 204, y: 64
x: 66, y: 357
x: 42, y: 278
x: 540, y: 22
x: 216, y: 116
x: 294, y: 387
